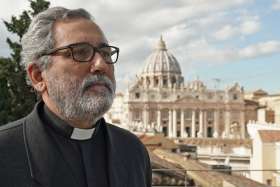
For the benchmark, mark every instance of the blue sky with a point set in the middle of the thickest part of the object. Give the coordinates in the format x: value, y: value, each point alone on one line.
x: 233, y: 40
x: 253, y: 73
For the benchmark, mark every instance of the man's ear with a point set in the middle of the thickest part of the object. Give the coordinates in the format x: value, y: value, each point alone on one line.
x: 35, y: 75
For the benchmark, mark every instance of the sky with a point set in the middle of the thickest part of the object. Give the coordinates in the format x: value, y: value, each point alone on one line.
x: 229, y: 40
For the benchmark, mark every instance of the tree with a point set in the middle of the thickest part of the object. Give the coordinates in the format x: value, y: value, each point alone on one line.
x: 16, y: 97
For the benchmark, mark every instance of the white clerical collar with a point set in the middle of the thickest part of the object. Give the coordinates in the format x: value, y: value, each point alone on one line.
x: 64, y: 129
x: 82, y: 134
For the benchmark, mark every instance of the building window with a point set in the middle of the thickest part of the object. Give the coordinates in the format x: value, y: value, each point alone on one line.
x: 221, y: 114
x: 173, y: 82
x: 209, y: 132
x: 196, y: 133
x: 210, y: 115
x: 164, y: 82
x: 196, y: 115
x: 141, y: 81
x: 164, y: 130
x: 137, y: 95
x: 235, y: 96
x: 156, y: 82
x: 188, y: 114
x: 137, y: 115
x: 269, y: 182
x: 188, y: 130
x: 148, y: 81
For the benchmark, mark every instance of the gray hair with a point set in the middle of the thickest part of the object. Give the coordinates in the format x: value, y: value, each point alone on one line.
x: 39, y: 37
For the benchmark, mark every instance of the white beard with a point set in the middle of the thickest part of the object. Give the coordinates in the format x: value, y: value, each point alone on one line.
x: 72, y: 100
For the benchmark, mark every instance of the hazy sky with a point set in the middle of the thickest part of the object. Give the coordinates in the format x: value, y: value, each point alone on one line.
x: 233, y: 40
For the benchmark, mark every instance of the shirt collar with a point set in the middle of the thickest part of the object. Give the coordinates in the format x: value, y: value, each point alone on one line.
x: 66, y: 130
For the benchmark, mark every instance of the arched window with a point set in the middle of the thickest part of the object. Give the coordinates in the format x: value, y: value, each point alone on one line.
x: 173, y: 81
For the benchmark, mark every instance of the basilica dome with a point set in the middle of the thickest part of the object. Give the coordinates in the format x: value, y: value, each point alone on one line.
x: 161, y: 61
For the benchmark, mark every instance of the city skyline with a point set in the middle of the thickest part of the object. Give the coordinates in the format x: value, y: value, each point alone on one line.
x: 234, y: 41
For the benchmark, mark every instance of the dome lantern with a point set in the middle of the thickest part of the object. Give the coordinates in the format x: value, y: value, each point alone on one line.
x: 161, y: 45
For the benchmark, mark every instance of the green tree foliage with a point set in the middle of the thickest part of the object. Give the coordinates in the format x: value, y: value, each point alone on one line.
x: 16, y: 97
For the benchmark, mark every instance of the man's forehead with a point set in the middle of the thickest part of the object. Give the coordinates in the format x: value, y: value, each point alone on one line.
x: 78, y: 30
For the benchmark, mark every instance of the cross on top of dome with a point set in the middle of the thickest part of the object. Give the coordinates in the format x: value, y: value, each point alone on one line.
x: 161, y: 44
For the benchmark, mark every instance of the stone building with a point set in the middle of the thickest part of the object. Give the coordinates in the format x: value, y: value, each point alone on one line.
x: 161, y: 101
x: 268, y: 110
x: 265, y: 159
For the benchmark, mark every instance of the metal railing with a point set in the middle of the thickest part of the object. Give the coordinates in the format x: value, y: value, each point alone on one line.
x: 184, y: 172
x: 168, y: 170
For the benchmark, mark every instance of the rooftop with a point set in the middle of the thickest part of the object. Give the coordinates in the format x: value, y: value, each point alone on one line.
x: 218, y: 142
x: 201, y: 174
x: 269, y: 136
x: 157, y: 141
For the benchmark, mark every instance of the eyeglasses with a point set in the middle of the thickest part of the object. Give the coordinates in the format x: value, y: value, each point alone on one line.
x: 84, y: 52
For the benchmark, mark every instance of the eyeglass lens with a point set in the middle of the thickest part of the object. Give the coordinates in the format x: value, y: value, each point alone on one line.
x: 85, y: 52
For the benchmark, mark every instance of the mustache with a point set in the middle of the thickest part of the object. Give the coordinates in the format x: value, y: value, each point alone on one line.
x: 98, y: 79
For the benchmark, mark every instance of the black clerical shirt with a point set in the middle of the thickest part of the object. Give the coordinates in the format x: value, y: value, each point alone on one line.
x: 86, y: 158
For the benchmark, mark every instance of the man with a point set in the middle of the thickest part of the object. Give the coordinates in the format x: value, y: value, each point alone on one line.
x: 65, y: 141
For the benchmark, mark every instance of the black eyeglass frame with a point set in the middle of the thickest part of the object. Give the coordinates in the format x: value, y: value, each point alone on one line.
x: 95, y: 49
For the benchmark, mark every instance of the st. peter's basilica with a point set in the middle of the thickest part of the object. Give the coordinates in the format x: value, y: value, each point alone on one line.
x: 161, y: 101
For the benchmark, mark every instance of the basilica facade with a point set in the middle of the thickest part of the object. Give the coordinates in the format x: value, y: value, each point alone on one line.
x: 159, y: 100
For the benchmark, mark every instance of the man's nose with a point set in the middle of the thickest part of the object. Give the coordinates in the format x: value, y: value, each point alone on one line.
x: 98, y: 64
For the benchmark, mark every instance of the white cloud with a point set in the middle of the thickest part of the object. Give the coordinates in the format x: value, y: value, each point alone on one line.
x: 201, y: 50
x: 276, y: 5
x: 245, y: 26
x: 250, y: 26
x: 187, y: 10
x: 260, y: 49
x: 123, y: 20
x: 226, y: 32
x: 12, y: 7
x: 179, y: 35
x: 212, y: 19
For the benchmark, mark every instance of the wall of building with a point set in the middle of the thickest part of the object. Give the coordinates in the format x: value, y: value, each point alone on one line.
x: 262, y: 115
x: 265, y: 155
x: 271, y: 101
x: 269, y: 162
x: 277, y: 112
x: 256, y: 159
x: 277, y: 166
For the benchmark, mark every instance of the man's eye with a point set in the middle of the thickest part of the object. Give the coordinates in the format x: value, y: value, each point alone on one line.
x: 66, y: 53
x: 105, y: 53
x: 82, y: 53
